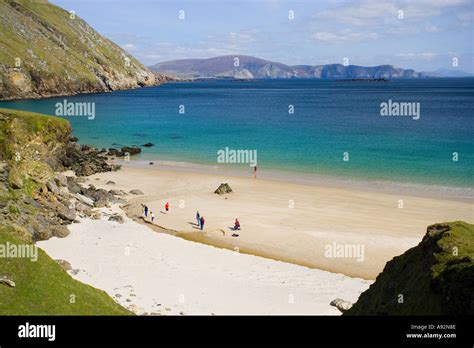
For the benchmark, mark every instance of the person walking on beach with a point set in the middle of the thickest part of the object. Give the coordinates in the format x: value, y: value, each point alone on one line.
x: 145, y: 210
x: 167, y: 206
x: 255, y: 172
x: 198, y: 218
x: 202, y: 222
x: 152, y: 217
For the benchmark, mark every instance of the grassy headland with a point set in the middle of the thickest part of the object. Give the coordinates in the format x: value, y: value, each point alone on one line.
x: 33, y: 206
x: 434, y: 278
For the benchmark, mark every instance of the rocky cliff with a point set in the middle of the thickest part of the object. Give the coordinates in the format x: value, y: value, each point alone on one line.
x: 47, y: 51
x: 37, y: 202
x: 434, y: 278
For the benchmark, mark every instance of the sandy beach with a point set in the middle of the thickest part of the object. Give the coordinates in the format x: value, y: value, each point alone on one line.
x: 159, y: 274
x: 285, y: 221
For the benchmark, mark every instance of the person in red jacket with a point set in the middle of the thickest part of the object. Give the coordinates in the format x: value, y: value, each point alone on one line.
x: 167, y: 206
x: 237, y: 225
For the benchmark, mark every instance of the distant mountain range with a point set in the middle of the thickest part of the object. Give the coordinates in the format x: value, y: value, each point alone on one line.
x: 443, y: 72
x: 247, y: 67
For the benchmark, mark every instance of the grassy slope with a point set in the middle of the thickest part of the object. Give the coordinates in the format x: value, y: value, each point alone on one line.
x: 435, y: 278
x: 54, y: 47
x: 33, y: 137
x: 49, y: 127
x: 71, y: 41
x: 42, y: 287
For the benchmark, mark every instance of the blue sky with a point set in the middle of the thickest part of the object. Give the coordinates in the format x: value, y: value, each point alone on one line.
x: 421, y: 34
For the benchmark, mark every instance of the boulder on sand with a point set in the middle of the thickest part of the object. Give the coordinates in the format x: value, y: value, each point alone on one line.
x: 136, y: 192
x: 66, y: 213
x: 84, y: 199
x: 223, y: 189
x: 342, y: 305
x: 117, y: 218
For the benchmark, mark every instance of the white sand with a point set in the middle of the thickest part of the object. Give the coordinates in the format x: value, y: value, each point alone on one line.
x: 151, y: 272
x: 287, y: 221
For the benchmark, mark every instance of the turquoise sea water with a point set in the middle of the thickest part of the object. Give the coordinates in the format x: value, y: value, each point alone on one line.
x: 330, y: 118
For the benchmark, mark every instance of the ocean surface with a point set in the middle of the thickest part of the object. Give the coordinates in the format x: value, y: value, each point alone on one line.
x: 330, y: 118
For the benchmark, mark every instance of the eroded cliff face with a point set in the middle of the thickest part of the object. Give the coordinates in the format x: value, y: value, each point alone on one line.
x: 36, y: 200
x: 46, y: 51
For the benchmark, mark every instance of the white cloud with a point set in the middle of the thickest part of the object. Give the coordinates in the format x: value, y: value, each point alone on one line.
x: 365, y: 20
x: 423, y: 55
x: 465, y: 18
x: 376, y: 12
x: 343, y: 35
x: 433, y: 29
x: 129, y: 47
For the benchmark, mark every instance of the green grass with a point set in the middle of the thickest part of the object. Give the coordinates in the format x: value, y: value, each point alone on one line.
x: 54, y: 47
x: 435, y: 278
x: 17, y: 127
x: 44, y: 288
x: 43, y: 134
x: 459, y: 239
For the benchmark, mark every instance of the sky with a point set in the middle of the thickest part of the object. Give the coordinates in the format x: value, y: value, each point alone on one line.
x: 424, y: 35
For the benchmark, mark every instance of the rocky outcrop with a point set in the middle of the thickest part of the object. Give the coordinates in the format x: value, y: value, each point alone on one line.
x: 6, y: 281
x: 117, y: 218
x: 341, y: 305
x: 434, y: 278
x: 131, y: 150
x: 36, y: 200
x: 47, y: 51
x: 223, y: 189
x: 86, y: 160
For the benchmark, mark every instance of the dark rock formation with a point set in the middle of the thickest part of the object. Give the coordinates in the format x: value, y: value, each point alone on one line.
x: 36, y: 201
x: 223, y: 189
x: 131, y: 150
x: 117, y: 218
x: 85, y: 160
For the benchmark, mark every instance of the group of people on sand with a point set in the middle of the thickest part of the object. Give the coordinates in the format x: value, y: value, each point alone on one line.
x: 199, y: 218
x: 146, y: 210
x: 200, y: 222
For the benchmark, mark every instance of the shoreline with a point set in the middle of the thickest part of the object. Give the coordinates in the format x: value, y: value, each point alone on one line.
x: 457, y: 193
x: 323, y: 215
